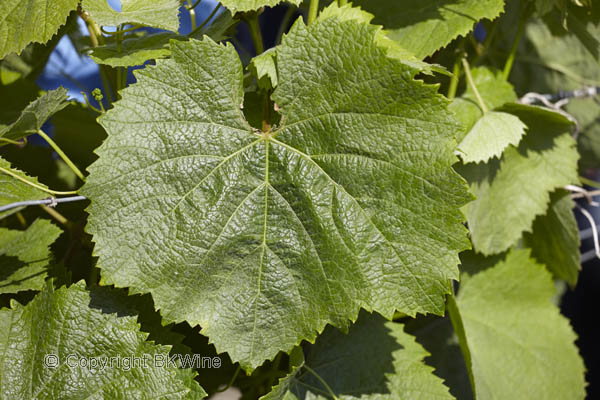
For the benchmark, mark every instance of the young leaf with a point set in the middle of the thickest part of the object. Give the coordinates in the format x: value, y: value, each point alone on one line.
x: 424, y: 26
x: 262, y: 238
x: 264, y: 68
x: 35, y: 114
x: 555, y: 238
x: 511, y: 192
x: 25, y: 255
x: 376, y: 359
x: 26, y: 21
x: 157, y: 13
x: 13, y: 190
x: 490, y: 135
x: 519, y: 343
x: 136, y: 50
x: 250, y: 5
x: 43, y: 345
x: 494, y: 91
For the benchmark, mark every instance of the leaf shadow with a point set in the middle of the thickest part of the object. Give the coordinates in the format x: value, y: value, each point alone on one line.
x: 11, y: 265
x: 356, y: 363
x: 412, y: 12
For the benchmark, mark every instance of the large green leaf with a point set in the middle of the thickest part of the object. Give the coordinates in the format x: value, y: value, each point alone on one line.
x: 424, y: 26
x: 250, y: 5
x: 43, y: 345
x: 262, y: 238
x: 555, y: 238
x: 34, y: 115
x: 13, y: 190
x: 520, y: 345
x: 376, y: 359
x: 25, y: 255
x: 26, y: 21
x: 157, y: 13
x: 512, y: 191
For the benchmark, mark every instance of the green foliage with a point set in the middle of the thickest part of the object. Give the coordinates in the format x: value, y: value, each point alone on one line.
x: 25, y: 255
x: 31, y: 119
x: 424, y: 26
x: 511, y: 326
x: 296, y: 213
x: 14, y: 190
x: 296, y: 206
x: 26, y: 21
x: 157, y: 13
x: 74, y: 324
x: 375, y: 359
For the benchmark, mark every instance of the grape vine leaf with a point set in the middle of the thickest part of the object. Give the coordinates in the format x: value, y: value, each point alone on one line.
x: 424, y: 26
x: 519, y: 343
x: 26, y: 21
x: 512, y: 191
x: 376, y: 359
x: 25, y: 255
x: 494, y: 91
x: 251, y: 5
x: 554, y: 240
x: 264, y: 69
x: 490, y: 135
x: 262, y: 238
x: 136, y: 50
x: 34, y: 115
x: 74, y: 324
x: 163, y: 14
x: 13, y: 190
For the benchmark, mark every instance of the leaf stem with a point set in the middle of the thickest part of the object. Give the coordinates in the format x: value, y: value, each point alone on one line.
x: 33, y: 184
x: 465, y: 64
x: 589, y: 182
x: 314, y: 373
x: 232, y: 380
x: 206, y: 21
x: 194, y: 5
x: 456, y: 71
x: 459, y: 329
x: 515, y: 46
x: 285, y: 23
x: 312, y: 11
x: 55, y: 214
x: 62, y: 155
x: 255, y: 33
x: 190, y: 8
x: 14, y: 141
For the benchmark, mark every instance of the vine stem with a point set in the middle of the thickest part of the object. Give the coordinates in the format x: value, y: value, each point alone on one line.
x: 515, y: 46
x: 285, y: 23
x: 35, y: 185
x: 55, y: 214
x: 465, y: 64
x: 62, y: 155
x: 212, y: 14
x: 314, y: 373
x: 459, y: 329
x: 233, y: 378
x: 97, y: 39
x: 456, y: 71
x: 190, y: 7
x: 312, y: 11
x: 16, y: 142
x: 255, y: 33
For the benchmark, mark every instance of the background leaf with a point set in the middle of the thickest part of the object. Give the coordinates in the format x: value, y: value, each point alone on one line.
x: 87, y: 325
x: 26, y: 21
x: 157, y: 13
x: 519, y: 343
x: 25, y: 256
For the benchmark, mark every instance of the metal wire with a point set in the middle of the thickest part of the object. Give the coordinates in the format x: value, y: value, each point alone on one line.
x: 51, y: 201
